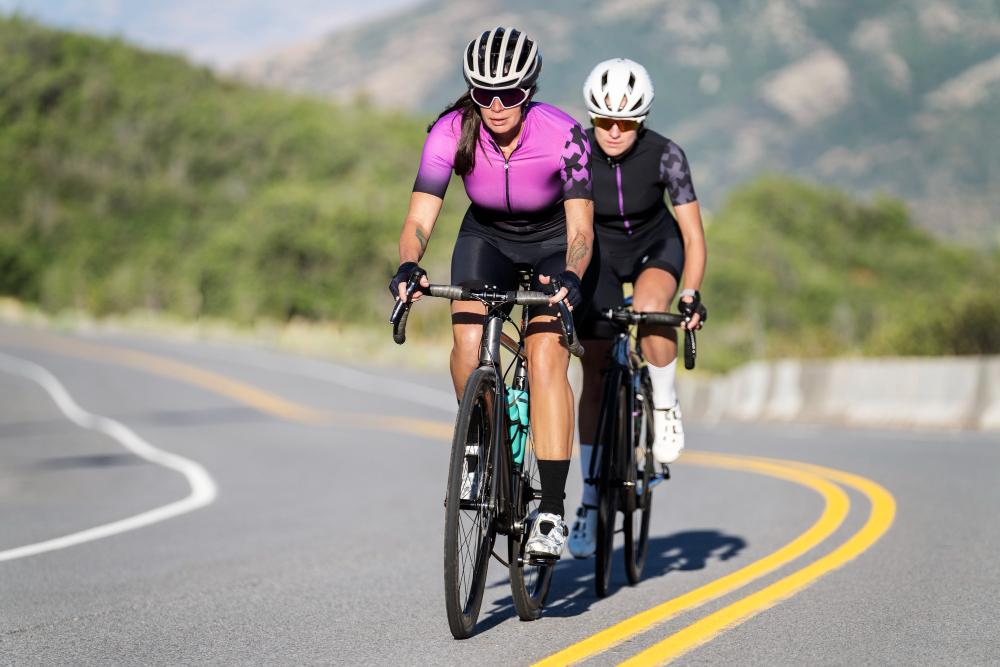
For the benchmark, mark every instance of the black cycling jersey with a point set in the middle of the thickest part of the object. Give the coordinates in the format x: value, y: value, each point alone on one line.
x: 628, y: 189
x: 634, y: 229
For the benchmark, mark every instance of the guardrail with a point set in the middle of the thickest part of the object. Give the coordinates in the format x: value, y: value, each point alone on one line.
x: 930, y: 392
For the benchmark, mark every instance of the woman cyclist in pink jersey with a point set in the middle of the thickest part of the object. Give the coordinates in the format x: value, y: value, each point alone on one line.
x: 526, y: 170
x: 640, y: 242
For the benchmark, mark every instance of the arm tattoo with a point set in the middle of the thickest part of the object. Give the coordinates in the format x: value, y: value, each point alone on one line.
x: 422, y: 239
x: 577, y: 251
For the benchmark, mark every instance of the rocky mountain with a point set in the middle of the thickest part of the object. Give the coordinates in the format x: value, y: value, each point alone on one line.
x: 876, y: 96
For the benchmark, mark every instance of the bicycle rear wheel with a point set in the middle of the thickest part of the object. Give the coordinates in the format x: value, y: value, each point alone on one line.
x: 639, y: 502
x: 529, y: 584
x: 469, y: 528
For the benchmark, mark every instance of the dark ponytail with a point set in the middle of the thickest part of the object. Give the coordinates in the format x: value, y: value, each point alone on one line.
x: 465, y: 153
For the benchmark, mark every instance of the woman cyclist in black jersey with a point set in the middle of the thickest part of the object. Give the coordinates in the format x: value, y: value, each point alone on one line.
x: 525, y: 166
x: 640, y: 242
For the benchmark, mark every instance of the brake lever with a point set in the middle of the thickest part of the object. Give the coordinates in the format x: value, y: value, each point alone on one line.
x: 411, y: 286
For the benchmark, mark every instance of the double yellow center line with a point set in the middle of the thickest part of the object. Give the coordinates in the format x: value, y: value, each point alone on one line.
x: 821, y: 479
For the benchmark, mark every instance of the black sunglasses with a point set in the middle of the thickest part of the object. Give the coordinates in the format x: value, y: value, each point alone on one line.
x: 509, y: 97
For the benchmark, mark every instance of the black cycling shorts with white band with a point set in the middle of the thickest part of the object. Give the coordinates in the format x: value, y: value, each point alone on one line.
x: 484, y: 258
x: 619, y: 258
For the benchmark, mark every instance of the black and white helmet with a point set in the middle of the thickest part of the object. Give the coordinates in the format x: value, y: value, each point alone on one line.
x: 502, y: 58
x: 612, y: 81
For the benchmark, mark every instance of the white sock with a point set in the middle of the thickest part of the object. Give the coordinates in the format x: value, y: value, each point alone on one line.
x: 589, y: 490
x: 662, y: 377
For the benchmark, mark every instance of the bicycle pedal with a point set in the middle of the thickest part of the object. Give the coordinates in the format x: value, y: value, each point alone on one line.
x: 538, y: 560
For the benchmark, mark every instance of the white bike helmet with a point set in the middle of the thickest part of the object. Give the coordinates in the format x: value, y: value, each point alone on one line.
x: 614, y: 79
x: 502, y: 58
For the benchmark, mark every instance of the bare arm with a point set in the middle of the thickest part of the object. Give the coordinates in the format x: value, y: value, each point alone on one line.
x: 417, y: 228
x: 579, y: 234
x: 695, y: 251
x: 579, y: 241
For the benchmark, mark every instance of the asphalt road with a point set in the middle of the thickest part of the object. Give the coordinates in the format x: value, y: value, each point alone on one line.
x: 288, y: 511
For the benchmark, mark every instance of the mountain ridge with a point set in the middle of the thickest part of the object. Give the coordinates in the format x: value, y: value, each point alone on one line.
x: 893, y: 97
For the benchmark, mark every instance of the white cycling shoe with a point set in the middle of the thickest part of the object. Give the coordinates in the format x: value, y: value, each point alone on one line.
x: 547, y: 544
x: 583, y: 539
x: 668, y: 434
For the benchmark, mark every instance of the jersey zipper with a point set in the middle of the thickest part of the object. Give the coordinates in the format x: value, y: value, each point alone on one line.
x: 506, y: 172
x: 621, y: 198
x: 506, y: 181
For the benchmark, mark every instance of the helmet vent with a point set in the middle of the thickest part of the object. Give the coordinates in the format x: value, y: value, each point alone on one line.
x: 631, y: 82
x: 604, y: 79
x: 522, y: 62
x: 636, y: 105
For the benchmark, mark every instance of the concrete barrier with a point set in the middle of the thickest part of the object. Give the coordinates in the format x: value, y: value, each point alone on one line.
x: 949, y: 392
x: 748, y: 391
x: 785, y: 397
x: 988, y: 418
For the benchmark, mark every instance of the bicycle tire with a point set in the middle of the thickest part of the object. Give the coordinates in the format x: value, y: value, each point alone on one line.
x: 469, y: 544
x: 607, y: 486
x: 529, y: 584
x: 640, y: 504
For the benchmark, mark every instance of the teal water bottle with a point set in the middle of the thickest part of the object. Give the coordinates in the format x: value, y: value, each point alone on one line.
x: 517, y: 410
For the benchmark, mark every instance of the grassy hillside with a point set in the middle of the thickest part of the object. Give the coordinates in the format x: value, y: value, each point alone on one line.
x: 130, y: 180
x: 797, y: 270
x: 134, y: 180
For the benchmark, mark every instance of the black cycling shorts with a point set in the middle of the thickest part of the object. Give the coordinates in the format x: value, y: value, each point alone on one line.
x: 619, y: 258
x: 484, y: 258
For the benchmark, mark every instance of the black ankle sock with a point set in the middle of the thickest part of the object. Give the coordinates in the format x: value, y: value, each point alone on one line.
x: 552, y: 475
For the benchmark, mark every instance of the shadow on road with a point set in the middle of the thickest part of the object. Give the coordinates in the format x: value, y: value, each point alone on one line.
x: 572, y: 589
x: 90, y: 461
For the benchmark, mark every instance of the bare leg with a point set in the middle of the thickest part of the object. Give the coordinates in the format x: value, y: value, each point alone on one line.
x: 654, y: 291
x: 550, y: 394
x: 467, y: 330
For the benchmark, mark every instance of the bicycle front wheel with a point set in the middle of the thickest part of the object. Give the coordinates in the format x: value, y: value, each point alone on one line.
x: 640, y: 492
x: 470, y: 503
x: 529, y: 584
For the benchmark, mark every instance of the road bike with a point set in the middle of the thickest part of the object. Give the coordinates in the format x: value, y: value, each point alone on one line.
x: 623, y: 467
x: 493, y: 483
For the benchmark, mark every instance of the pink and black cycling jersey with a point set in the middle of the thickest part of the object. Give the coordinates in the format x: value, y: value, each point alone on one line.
x: 522, y: 194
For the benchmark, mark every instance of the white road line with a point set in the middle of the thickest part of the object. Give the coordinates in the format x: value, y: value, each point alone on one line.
x: 203, y: 489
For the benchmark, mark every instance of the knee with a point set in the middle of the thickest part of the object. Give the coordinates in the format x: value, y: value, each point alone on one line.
x: 547, y: 355
x: 466, y: 342
x: 651, y: 303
